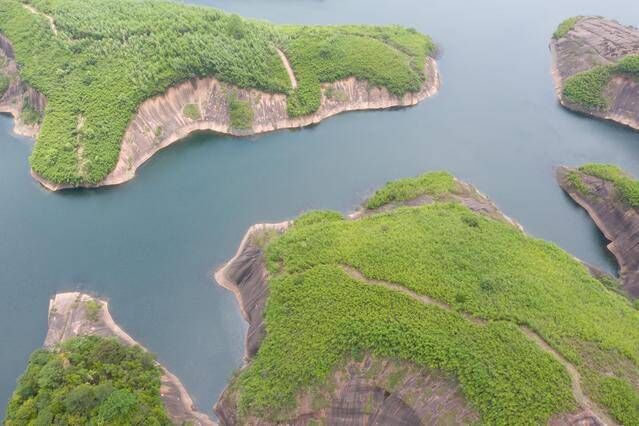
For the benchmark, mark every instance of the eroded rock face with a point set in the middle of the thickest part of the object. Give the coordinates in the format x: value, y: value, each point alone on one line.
x: 77, y: 314
x: 161, y: 121
x: 18, y: 93
x: 617, y: 221
x: 598, y: 41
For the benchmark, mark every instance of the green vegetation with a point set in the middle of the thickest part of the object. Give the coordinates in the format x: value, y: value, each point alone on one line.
x: 240, y: 112
x: 433, y: 184
x: 192, y: 111
x: 317, y: 313
x: 4, y: 83
x: 627, y: 187
x: 586, y: 88
x: 88, y: 380
x: 622, y: 399
x: 92, y: 308
x: 30, y: 114
x: 629, y: 65
x: 565, y: 26
x: 377, y: 54
x: 98, y: 61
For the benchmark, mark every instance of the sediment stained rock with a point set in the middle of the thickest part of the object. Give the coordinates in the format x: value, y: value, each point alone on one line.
x: 618, y: 222
x: 598, y: 41
x: 69, y: 317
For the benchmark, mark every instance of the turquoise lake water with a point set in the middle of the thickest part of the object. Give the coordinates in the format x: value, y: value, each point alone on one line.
x: 150, y: 245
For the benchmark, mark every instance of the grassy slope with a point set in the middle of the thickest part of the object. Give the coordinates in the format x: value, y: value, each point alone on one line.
x: 88, y: 379
x: 586, y: 88
x: 626, y: 185
x: 108, y: 57
x: 316, y: 313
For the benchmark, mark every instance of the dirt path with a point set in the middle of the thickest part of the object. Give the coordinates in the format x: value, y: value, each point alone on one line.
x: 49, y: 18
x: 575, y: 377
x: 289, y: 70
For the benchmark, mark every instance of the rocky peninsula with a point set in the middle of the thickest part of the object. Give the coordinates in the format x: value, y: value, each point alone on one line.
x: 77, y: 314
x: 616, y: 219
x: 364, y: 387
x: 119, y: 97
x: 595, y: 68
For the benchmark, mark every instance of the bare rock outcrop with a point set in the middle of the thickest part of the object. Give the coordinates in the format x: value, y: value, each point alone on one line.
x: 76, y: 314
x: 161, y: 121
x: 597, y: 41
x: 360, y: 392
x: 18, y: 93
x: 617, y: 221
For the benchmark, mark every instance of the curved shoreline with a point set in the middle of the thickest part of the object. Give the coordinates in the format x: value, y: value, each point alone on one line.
x: 160, y: 122
x: 476, y: 201
x: 617, y: 223
x: 618, y: 112
x: 68, y: 318
x: 618, y: 119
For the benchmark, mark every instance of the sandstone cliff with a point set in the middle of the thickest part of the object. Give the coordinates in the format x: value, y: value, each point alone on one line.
x: 594, y: 41
x: 163, y: 120
x: 71, y: 315
x: 617, y: 221
x: 17, y: 94
x: 359, y: 391
x: 597, y: 41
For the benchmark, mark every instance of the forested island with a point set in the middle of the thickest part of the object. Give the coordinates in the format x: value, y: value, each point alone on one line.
x: 91, y: 372
x: 595, y: 65
x: 427, y: 306
x: 104, y: 85
x: 611, y: 198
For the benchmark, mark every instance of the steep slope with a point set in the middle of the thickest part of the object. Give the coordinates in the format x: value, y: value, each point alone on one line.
x: 606, y: 193
x: 74, y: 317
x: 126, y: 78
x: 595, y: 66
x: 433, y: 280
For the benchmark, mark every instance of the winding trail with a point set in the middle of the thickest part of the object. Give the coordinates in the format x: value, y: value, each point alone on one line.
x: 575, y: 377
x: 49, y: 18
x: 289, y: 70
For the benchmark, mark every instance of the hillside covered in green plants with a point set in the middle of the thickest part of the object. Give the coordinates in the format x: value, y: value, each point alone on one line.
x: 96, y: 61
x: 88, y: 380
x: 493, y: 289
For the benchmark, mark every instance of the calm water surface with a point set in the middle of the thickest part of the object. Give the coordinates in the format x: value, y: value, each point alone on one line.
x: 150, y: 245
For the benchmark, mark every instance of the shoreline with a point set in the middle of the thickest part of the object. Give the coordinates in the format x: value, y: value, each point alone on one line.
x: 608, y: 115
x: 617, y: 245
x: 163, y: 114
x: 469, y: 196
x: 67, y: 319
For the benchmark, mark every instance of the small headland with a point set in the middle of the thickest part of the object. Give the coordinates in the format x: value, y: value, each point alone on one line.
x: 607, y: 194
x: 595, y: 68
x: 334, y: 302
x: 76, y: 314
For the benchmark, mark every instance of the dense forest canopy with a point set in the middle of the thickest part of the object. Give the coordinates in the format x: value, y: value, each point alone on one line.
x: 484, y: 269
x: 88, y: 380
x: 97, y: 60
